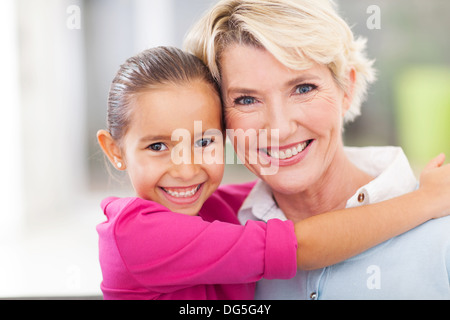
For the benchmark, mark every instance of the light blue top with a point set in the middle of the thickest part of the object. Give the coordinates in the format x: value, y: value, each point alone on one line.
x: 415, y: 265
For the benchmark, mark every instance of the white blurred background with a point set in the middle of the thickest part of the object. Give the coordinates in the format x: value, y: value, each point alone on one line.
x: 58, y: 58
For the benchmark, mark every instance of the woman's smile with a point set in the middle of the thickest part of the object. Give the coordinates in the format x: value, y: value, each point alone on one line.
x: 287, y: 155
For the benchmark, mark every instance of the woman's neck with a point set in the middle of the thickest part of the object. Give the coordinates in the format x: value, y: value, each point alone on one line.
x: 330, y: 192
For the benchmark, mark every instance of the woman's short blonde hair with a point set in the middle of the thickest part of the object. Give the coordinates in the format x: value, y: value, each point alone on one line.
x: 296, y: 32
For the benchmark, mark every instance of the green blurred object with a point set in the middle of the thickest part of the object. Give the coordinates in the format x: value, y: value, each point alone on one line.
x: 423, y: 112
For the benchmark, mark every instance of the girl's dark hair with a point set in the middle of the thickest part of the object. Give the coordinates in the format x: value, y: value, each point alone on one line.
x: 149, y: 69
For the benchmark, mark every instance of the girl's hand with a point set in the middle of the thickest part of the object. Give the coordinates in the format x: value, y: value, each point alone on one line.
x: 435, y: 183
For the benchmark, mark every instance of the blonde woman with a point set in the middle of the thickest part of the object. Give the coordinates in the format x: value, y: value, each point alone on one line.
x: 294, y: 67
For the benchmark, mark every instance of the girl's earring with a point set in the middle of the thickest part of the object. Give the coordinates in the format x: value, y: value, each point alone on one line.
x: 118, y: 163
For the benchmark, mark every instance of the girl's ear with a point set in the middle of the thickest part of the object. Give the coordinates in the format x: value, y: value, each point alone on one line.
x: 110, y: 149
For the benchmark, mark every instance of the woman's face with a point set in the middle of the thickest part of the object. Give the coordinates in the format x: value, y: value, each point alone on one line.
x: 306, y: 109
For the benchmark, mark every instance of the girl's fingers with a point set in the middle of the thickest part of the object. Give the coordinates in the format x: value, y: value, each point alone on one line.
x: 436, y: 162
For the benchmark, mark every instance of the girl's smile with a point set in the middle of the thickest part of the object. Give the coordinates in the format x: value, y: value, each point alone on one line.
x: 183, y: 195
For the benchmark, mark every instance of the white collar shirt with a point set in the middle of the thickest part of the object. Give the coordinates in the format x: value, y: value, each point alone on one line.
x: 414, y: 265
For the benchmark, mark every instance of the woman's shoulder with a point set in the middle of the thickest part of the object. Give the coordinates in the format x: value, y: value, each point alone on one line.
x: 433, y: 234
x: 437, y: 228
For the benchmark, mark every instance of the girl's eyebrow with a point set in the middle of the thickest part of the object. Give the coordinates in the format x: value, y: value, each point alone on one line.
x: 155, y: 138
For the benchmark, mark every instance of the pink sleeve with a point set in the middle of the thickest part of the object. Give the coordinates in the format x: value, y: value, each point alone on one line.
x: 225, y: 202
x: 167, y: 251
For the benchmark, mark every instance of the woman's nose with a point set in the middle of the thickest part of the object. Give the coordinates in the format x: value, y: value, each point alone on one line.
x: 281, y: 119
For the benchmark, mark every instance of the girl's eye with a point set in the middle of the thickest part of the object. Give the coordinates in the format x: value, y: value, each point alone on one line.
x: 245, y: 101
x: 157, y: 146
x: 204, y: 142
x: 305, y: 88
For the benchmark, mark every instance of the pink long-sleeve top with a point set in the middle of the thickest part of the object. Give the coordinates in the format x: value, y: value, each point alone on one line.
x: 149, y: 252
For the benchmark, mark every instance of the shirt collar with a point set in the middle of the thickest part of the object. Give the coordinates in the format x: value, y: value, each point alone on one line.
x: 260, y: 205
x: 391, y: 169
x: 389, y: 165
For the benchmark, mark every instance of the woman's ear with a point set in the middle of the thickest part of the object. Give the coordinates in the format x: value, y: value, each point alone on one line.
x: 349, y: 92
x: 111, y: 149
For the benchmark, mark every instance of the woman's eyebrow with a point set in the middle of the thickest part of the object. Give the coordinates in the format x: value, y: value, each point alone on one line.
x: 289, y: 83
x: 239, y: 90
x: 302, y: 78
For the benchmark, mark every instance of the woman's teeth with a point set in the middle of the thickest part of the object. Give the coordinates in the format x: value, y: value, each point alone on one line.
x: 288, y: 153
x: 182, y: 194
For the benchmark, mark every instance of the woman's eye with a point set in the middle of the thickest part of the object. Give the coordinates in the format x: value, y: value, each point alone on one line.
x: 305, y: 88
x: 157, y: 146
x: 204, y: 142
x: 245, y: 101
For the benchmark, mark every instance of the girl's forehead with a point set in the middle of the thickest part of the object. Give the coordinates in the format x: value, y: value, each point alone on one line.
x: 177, y: 106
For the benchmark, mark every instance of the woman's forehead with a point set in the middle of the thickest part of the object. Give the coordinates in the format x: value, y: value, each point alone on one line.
x: 243, y: 64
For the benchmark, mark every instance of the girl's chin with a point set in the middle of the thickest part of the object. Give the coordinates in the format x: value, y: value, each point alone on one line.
x: 190, y: 209
x: 187, y: 211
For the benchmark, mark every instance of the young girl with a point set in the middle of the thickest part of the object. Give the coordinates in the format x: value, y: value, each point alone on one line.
x: 180, y: 238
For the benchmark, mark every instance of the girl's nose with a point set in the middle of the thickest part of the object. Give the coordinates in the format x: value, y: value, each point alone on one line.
x: 185, y: 171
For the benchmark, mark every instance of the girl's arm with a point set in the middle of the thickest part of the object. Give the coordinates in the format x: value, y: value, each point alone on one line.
x: 332, y: 237
x: 167, y: 251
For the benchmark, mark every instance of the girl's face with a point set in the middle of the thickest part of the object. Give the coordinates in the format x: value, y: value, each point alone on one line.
x: 306, y: 108
x: 183, y: 173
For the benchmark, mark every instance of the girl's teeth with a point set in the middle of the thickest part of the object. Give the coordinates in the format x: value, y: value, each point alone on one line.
x: 288, y: 153
x: 183, y: 194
